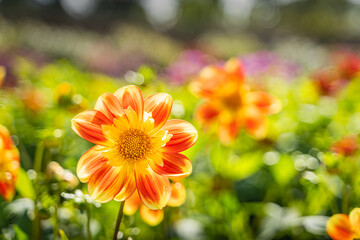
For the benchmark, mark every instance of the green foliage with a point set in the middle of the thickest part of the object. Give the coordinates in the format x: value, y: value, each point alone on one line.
x: 63, y: 235
x: 19, y: 234
x: 284, y: 186
x: 24, y: 185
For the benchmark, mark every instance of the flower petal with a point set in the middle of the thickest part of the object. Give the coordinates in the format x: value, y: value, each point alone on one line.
x: 90, y: 162
x: 264, y: 102
x: 228, y: 131
x: 7, y: 190
x: 2, y: 75
x: 5, y: 139
x: 133, y: 118
x: 128, y: 188
x: 184, y: 135
x: 209, y: 80
x: 151, y: 217
x: 206, y: 113
x: 255, y: 123
x: 347, y: 146
x: 354, y: 218
x: 154, y: 190
x: 178, y: 195
x: 132, y: 204
x: 109, y: 105
x: 175, y: 165
x: 107, y: 182
x: 159, y: 105
x: 88, y: 125
x: 339, y: 228
x: 235, y: 69
x: 131, y: 96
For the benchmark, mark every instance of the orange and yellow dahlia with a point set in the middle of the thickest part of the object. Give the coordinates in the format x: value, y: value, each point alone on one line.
x: 137, y: 147
x: 9, y: 164
x: 154, y: 217
x: 344, y: 227
x: 231, y: 102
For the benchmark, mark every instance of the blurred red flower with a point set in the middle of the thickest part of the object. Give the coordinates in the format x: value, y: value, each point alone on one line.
x: 348, y: 64
x: 347, y: 146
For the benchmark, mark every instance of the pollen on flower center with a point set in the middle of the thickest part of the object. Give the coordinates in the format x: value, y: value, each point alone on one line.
x: 133, y: 144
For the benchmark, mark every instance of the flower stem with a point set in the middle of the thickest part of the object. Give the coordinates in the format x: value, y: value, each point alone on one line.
x: 88, y: 213
x: 56, y: 224
x: 118, y: 220
x: 38, y: 158
x: 164, y: 224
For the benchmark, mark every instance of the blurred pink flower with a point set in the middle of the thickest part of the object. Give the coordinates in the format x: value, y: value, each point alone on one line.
x: 107, y: 59
x: 263, y: 63
x: 8, y: 60
x: 187, y: 66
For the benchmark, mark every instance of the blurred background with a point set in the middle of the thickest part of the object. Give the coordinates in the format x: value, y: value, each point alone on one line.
x: 154, y: 31
x: 58, y: 56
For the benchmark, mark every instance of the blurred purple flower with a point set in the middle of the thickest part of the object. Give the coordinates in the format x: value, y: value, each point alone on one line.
x: 107, y: 59
x: 267, y: 63
x: 187, y: 65
x: 8, y: 59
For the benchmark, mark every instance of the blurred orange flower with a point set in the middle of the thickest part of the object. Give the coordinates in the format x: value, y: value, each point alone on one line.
x: 154, y: 217
x: 137, y: 148
x: 9, y: 164
x: 344, y: 227
x: 33, y: 99
x: 230, y: 101
x: 2, y: 75
x: 347, y: 146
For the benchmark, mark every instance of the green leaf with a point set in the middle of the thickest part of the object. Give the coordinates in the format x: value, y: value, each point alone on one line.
x: 283, y: 171
x: 331, y: 159
x: 233, y: 166
x: 24, y: 185
x: 19, y: 234
x: 63, y: 235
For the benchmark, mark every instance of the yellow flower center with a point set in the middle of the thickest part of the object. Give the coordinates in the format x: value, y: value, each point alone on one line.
x: 230, y: 96
x: 133, y: 144
x: 232, y: 101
